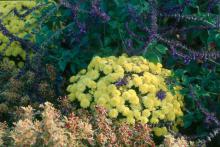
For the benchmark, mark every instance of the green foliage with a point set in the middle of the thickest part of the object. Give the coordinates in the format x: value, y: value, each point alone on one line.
x: 72, y: 51
x: 68, y: 37
x: 200, y: 86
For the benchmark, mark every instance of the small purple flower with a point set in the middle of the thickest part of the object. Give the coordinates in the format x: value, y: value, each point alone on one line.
x: 210, y: 118
x: 212, y: 4
x: 161, y: 94
x: 122, y: 82
x: 187, y: 60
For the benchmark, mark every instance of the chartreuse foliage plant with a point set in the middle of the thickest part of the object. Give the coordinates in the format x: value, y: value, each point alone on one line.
x: 15, y: 25
x: 17, y: 19
x: 131, y: 88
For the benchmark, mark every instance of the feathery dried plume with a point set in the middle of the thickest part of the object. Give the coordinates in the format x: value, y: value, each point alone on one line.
x: 25, y: 132
x: 50, y: 131
x: 28, y: 112
x: 3, y: 127
x: 76, y: 130
x: 53, y: 128
x: 171, y: 141
x: 79, y: 129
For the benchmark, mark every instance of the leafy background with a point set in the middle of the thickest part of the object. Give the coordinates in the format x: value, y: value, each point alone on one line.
x: 70, y: 36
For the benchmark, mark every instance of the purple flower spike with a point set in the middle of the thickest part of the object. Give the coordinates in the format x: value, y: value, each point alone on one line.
x: 97, y: 12
x: 161, y: 94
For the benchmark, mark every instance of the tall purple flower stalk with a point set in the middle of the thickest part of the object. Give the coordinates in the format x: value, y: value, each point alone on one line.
x: 175, y: 9
x: 97, y: 12
x: 153, y: 25
x: 74, y: 10
x: 177, y: 48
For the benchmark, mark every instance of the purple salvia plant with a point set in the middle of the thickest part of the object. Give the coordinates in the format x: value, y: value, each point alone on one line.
x: 129, y: 46
x: 97, y: 12
x: 186, y: 18
x: 75, y: 11
x: 175, y: 9
x: 210, y: 119
x: 153, y: 25
x: 212, y: 4
x: 153, y: 33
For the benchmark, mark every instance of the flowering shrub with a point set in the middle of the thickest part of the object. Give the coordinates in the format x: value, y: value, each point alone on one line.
x: 151, y: 28
x: 131, y: 88
x: 2, y: 132
x: 81, y: 129
x: 52, y: 128
x: 124, y: 99
x: 171, y: 141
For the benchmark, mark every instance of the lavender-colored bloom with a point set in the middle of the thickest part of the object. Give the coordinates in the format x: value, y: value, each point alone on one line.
x: 74, y: 8
x: 122, y: 82
x: 129, y: 46
x: 186, y: 18
x: 176, y: 9
x: 209, y: 119
x: 97, y: 12
x: 82, y: 27
x: 187, y: 60
x: 177, y: 48
x: 211, y: 4
x: 161, y: 94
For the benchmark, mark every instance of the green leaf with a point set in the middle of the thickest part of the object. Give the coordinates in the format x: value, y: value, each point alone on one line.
x: 153, y: 57
x: 188, y: 119
x: 62, y: 64
x: 161, y: 48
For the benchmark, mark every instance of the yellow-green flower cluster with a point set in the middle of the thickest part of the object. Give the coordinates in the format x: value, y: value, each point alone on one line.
x: 16, y: 26
x: 136, y: 99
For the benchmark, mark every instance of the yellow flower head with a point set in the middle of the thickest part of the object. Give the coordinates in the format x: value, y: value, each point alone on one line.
x: 130, y: 87
x: 113, y: 113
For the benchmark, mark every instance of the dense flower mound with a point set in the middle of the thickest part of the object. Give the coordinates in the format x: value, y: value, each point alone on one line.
x: 15, y: 16
x: 131, y: 88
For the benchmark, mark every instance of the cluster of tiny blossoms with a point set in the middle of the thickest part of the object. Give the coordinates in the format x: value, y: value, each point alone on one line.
x: 171, y: 141
x: 2, y: 132
x: 15, y: 15
x: 130, y: 88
